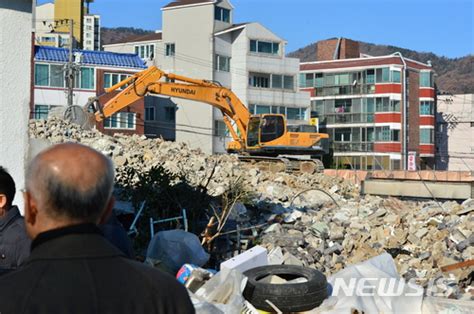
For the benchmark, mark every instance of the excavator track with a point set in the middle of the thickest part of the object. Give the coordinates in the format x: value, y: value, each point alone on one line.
x: 284, y: 164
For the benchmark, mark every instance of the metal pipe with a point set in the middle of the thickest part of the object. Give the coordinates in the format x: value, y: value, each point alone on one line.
x: 405, y: 120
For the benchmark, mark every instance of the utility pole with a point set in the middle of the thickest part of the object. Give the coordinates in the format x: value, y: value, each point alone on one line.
x: 70, y: 68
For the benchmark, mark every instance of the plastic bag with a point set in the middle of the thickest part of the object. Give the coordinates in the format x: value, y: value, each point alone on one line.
x: 224, y: 291
x: 169, y: 250
x: 373, y: 286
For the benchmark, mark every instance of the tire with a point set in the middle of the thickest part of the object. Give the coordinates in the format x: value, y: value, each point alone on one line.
x: 292, y: 297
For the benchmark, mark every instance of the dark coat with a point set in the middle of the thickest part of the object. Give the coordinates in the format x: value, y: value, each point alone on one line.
x: 14, y: 242
x: 76, y: 270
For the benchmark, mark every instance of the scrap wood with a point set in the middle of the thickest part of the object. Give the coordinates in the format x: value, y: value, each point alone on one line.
x: 467, y: 263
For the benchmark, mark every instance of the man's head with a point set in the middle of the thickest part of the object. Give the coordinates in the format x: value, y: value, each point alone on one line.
x: 7, y: 190
x: 65, y: 185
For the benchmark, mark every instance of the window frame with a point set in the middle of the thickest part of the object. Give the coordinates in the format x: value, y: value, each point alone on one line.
x: 119, y: 79
x: 273, y: 51
x: 120, y: 121
x: 150, y: 111
x: 218, y: 61
x: 170, y: 49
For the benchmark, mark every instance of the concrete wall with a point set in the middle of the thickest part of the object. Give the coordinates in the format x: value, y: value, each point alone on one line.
x: 15, y: 69
x: 161, y: 126
x: 193, y: 58
x: 455, y: 132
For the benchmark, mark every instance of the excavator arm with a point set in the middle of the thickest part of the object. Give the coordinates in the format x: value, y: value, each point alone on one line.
x: 151, y: 81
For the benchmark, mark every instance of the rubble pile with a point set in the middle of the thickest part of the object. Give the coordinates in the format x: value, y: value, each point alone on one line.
x: 142, y: 154
x: 421, y: 236
x: 311, y: 220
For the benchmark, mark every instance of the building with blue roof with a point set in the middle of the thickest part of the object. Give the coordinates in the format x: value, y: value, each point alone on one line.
x: 89, y: 57
x: 95, y: 70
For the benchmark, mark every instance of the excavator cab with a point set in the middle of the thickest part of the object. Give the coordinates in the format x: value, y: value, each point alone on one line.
x: 265, y: 128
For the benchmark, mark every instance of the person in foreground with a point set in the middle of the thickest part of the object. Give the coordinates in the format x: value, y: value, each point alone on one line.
x: 14, y: 243
x: 72, y: 267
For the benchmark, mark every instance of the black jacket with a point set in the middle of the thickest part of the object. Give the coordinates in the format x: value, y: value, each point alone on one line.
x: 76, y: 270
x: 14, y: 242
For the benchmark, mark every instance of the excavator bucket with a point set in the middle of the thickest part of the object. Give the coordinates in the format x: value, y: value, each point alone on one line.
x: 81, y: 115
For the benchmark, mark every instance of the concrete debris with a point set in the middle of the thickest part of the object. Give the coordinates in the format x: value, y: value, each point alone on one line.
x: 313, y: 220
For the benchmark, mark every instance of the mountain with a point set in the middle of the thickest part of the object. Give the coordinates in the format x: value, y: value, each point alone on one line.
x: 111, y: 35
x: 455, y: 75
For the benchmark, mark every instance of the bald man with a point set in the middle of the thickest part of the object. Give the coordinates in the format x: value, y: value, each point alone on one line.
x: 72, y: 267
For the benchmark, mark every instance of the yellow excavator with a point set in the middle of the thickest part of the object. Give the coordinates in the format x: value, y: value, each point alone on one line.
x: 260, y: 138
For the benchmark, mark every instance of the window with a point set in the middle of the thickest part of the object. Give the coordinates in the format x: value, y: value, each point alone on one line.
x: 395, y: 135
x: 220, y: 128
x: 426, y: 108
x: 41, y: 112
x: 170, y: 50
x: 222, y: 63
x: 259, y: 109
x: 319, y: 80
x: 121, y: 120
x: 288, y: 82
x: 221, y: 14
x: 382, y: 104
x: 264, y: 47
x: 426, y: 79
x: 382, y: 134
x: 145, y: 51
x: 149, y: 113
x: 277, y: 81
x: 342, y: 135
x: 87, y: 78
x: 293, y: 114
x: 170, y: 114
x: 53, y: 75
x: 261, y: 80
x: 396, y: 76
x: 56, y: 78
x: 41, y: 75
x: 370, y: 76
x: 110, y: 79
x: 383, y: 75
x: 426, y: 136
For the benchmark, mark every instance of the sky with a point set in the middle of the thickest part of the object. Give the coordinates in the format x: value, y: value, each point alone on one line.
x: 444, y: 27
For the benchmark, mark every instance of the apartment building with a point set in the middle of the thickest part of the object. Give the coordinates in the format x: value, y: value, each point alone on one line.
x: 145, y: 46
x: 52, y: 25
x: 91, y: 32
x: 379, y: 111
x: 455, y: 132
x: 246, y: 57
x: 95, y: 70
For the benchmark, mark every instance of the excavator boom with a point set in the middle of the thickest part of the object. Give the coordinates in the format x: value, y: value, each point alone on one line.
x: 260, y: 135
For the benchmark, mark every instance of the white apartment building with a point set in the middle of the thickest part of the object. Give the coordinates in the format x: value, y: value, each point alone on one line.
x: 455, y: 132
x: 145, y: 46
x: 47, y: 35
x: 91, y: 32
x: 200, y: 40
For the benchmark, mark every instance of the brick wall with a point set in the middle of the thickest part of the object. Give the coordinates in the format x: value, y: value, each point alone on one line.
x: 138, y: 107
x: 348, y: 49
x: 414, y: 113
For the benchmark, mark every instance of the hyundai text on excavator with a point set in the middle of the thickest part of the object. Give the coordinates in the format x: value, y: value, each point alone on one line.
x: 262, y: 137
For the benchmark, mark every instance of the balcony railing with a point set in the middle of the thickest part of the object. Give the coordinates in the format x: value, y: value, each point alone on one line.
x: 353, y: 147
x: 346, y: 118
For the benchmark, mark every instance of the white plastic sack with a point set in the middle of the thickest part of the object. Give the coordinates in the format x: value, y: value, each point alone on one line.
x: 224, y: 291
x: 173, y: 248
x: 447, y: 306
x: 373, y: 286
